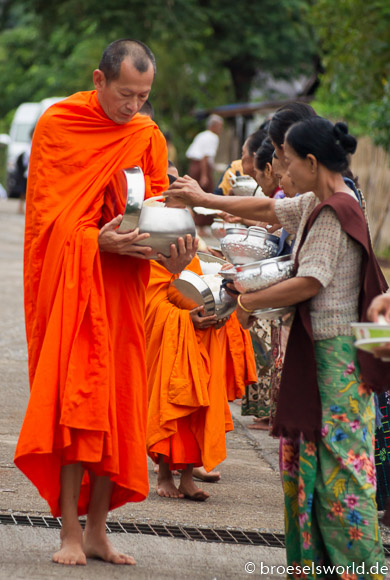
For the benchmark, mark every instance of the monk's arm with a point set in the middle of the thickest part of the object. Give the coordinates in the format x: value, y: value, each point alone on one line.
x: 188, y: 191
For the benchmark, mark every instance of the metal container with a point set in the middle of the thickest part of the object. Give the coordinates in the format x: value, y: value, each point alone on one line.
x: 246, y: 245
x: 243, y: 185
x: 164, y: 224
x: 263, y: 274
x: 219, y: 228
x: 190, y: 290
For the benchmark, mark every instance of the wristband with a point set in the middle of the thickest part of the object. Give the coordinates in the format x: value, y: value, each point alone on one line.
x: 243, y: 307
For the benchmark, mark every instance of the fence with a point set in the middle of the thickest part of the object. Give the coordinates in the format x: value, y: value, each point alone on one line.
x: 371, y: 165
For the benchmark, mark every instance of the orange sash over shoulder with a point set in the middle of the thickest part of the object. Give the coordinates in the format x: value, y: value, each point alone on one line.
x: 186, y: 374
x: 85, y: 310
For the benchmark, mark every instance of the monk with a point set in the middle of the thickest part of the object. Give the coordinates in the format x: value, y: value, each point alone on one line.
x: 83, y: 439
x: 188, y: 361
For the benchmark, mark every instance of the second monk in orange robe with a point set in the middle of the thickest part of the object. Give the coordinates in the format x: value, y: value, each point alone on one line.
x: 188, y: 413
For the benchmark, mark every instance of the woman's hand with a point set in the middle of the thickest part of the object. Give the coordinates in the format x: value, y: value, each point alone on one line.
x: 230, y: 219
x: 380, y: 305
x: 188, y: 191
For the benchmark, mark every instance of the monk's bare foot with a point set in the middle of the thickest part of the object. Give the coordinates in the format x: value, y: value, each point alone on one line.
x: 166, y: 488
x: 71, y: 552
x: 191, y: 491
x: 98, y: 546
x: 203, y: 475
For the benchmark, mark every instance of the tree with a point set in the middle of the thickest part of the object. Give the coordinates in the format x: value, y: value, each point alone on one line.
x: 208, y: 52
x: 355, y: 48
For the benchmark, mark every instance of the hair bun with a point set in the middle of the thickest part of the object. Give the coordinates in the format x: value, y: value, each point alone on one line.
x: 343, y: 138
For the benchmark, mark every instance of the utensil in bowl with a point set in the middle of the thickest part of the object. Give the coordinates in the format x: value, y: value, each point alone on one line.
x: 246, y: 245
x: 263, y: 274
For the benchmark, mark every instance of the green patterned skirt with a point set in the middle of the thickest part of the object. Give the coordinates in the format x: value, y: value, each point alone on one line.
x: 329, y: 486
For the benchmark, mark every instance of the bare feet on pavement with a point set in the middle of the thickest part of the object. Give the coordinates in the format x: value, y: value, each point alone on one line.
x: 203, y: 475
x: 98, y: 546
x: 71, y: 552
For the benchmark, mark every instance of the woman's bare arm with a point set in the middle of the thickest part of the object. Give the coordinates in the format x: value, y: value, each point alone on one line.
x: 188, y: 191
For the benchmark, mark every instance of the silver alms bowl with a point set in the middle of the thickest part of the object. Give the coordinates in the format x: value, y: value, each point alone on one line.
x: 164, y: 224
x: 243, y: 245
x: 263, y: 274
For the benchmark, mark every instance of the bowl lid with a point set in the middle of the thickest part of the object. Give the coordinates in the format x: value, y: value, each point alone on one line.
x: 265, y: 262
x: 190, y: 291
x: 204, y: 257
x: 132, y: 183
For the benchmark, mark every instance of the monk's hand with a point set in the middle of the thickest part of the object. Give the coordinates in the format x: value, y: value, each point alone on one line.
x: 379, y: 306
x: 200, y: 321
x: 110, y: 240
x: 188, y: 191
x: 221, y: 322
x: 180, y: 256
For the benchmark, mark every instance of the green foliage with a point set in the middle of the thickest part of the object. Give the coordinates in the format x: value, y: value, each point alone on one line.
x: 355, y: 51
x: 208, y: 51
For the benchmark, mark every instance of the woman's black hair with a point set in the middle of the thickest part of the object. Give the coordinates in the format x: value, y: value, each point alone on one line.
x: 264, y: 154
x: 254, y: 140
x: 285, y: 117
x: 330, y: 144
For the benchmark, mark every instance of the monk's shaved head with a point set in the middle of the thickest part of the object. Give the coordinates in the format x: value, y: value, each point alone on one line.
x: 113, y: 56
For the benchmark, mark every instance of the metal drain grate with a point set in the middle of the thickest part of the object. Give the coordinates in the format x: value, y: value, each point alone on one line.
x: 202, y: 534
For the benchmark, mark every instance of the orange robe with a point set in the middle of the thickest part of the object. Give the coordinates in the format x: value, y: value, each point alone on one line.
x: 85, y: 310
x: 188, y: 413
x: 237, y: 353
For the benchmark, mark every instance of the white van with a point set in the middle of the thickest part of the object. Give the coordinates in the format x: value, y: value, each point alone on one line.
x: 19, y: 139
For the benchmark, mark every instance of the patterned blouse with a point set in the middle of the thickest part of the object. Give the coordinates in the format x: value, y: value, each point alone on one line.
x: 330, y: 256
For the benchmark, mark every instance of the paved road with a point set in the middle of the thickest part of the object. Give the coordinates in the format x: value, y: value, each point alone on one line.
x: 248, y: 497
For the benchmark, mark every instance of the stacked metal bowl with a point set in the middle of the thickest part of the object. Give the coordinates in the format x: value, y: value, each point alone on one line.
x: 256, y: 266
x: 190, y: 290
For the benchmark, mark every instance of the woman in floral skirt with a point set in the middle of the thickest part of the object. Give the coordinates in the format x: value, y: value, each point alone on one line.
x: 325, y: 414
